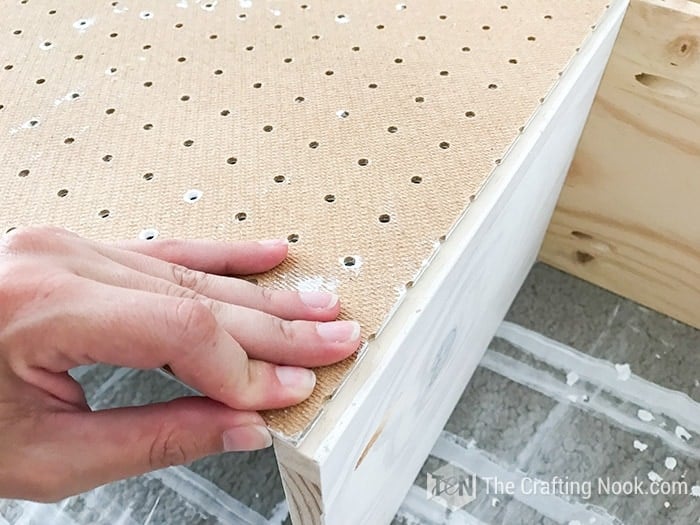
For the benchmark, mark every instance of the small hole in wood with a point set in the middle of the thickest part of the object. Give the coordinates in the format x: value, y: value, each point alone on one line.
x: 583, y: 257
x: 581, y: 235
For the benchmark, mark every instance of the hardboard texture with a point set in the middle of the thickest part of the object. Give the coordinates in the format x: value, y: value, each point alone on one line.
x: 360, y: 131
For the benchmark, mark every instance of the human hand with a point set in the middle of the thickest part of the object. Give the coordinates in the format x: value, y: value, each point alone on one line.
x: 67, y: 301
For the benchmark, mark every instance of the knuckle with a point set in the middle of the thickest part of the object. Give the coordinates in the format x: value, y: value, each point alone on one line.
x: 166, y: 449
x: 26, y: 238
x: 188, y: 278
x: 286, y: 330
x: 194, y: 321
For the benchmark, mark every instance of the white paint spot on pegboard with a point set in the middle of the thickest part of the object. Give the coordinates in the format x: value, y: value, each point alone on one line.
x: 572, y: 378
x: 639, y: 445
x: 209, y: 5
x: 83, y: 24
x: 191, y: 196
x: 245, y: 4
x: 682, y: 433
x: 645, y: 415
x: 317, y: 284
x: 68, y: 97
x: 183, y: 4
x: 351, y: 262
x: 342, y: 113
x: 275, y: 12
x: 670, y: 463
x: 623, y: 372
x: 111, y: 71
x: 148, y: 234
x: 401, y: 7
x: 145, y: 15
x: 119, y: 9
x: 342, y: 19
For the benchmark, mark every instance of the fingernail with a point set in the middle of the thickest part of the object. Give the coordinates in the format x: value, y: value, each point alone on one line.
x: 251, y: 437
x: 273, y: 242
x: 318, y: 299
x: 296, y: 378
x: 339, y: 331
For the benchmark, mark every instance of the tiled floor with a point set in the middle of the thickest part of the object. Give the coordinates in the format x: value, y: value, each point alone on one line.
x: 578, y: 384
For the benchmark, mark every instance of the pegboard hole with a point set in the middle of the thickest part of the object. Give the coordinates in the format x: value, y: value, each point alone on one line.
x: 315, y: 37
x: 329, y: 72
x: 23, y: 173
x: 444, y: 73
x: 68, y: 140
x: 213, y: 37
x: 349, y: 261
x: 257, y: 85
x: 110, y: 111
x: 392, y: 129
x: 313, y: 144
x: 267, y: 129
x: 444, y: 145
x: 225, y: 112
x: 149, y: 234
x: 113, y: 35
x: 299, y: 100
x: 17, y: 32
x: 62, y: 193
x: 531, y: 38
x: 493, y: 86
x: 470, y: 114
x: 107, y: 158
x: 341, y: 113
x: 40, y: 80
x: 8, y: 67
x: 547, y: 17
x: 188, y: 143
x: 279, y: 179
x: 178, y: 25
x: 416, y: 179
x: 79, y: 57
x: 421, y: 37
x: 148, y: 176
x: 148, y: 127
x: 146, y: 47
x: 442, y: 17
x: 148, y: 84
x: 181, y: 59
x: 384, y: 218
x: 293, y: 238
x: 398, y: 60
x: 329, y: 198
x: 231, y: 160
x: 485, y: 28
x: 103, y: 214
x: 380, y: 26
x: 419, y: 99
x: 372, y: 86
x: 287, y: 60
x: 356, y: 48
x: 218, y: 72
x: 278, y: 26
x: 185, y: 98
x: 513, y: 61
x: 363, y: 162
x: 250, y: 48
x: 241, y: 216
x: 466, y: 49
x: 192, y: 195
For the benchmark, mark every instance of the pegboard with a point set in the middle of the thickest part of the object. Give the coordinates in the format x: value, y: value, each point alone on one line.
x: 360, y: 131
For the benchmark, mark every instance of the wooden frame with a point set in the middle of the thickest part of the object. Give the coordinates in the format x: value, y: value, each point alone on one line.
x: 360, y: 457
x: 628, y: 217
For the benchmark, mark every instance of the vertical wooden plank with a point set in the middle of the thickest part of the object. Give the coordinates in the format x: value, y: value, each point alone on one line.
x: 628, y: 218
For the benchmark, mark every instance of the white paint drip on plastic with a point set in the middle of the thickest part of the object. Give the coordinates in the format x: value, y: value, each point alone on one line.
x: 682, y: 433
x: 639, y: 445
x: 654, y: 477
x: 342, y: 19
x: 572, y: 378
x: 645, y: 415
x: 670, y: 463
x: 550, y: 385
x: 623, y: 372
x: 655, y: 398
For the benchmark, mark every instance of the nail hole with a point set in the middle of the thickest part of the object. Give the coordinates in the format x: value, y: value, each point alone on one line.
x: 299, y: 100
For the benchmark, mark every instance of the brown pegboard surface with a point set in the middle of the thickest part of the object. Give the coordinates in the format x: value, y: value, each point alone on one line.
x: 358, y: 129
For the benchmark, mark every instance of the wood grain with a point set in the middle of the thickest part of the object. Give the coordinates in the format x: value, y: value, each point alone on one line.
x: 628, y: 217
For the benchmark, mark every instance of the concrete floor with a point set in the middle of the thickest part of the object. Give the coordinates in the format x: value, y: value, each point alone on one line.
x: 568, y: 388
